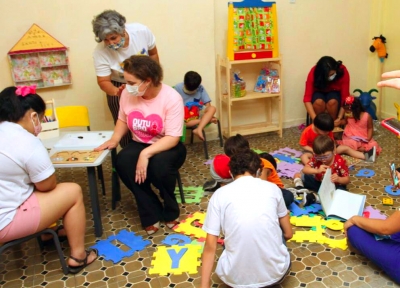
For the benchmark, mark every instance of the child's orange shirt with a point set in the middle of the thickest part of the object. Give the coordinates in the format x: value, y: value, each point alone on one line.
x: 308, y: 136
x: 273, y: 176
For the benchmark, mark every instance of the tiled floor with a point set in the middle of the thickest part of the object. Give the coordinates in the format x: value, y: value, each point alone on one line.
x: 313, y: 265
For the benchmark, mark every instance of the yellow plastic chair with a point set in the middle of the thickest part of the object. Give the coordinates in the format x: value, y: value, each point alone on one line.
x: 73, y: 116
x: 77, y: 116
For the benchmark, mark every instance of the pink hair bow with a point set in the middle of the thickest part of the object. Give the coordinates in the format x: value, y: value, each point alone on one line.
x: 25, y: 90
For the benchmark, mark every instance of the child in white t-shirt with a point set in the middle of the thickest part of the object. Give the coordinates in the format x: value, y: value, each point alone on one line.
x: 249, y: 217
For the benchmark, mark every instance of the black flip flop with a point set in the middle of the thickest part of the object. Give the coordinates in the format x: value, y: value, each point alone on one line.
x: 77, y: 269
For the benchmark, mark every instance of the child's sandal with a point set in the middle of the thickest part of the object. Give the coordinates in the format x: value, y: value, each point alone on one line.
x: 77, y: 269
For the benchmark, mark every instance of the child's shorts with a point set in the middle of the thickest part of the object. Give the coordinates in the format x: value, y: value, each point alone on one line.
x: 26, y: 221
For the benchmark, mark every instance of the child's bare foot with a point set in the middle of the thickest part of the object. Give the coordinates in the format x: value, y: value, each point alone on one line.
x: 199, y: 133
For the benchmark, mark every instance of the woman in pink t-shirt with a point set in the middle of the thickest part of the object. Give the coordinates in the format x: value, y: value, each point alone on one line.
x: 153, y: 113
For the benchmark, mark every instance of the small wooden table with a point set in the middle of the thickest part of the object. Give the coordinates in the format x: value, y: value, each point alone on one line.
x: 56, y: 144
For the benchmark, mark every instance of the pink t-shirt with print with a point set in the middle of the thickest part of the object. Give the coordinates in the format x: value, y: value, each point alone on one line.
x: 150, y: 120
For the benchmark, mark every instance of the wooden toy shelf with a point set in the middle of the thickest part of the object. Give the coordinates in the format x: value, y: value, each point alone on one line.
x: 257, y: 112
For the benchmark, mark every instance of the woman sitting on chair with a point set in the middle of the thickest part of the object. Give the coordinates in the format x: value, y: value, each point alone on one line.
x: 30, y: 198
x: 154, y: 113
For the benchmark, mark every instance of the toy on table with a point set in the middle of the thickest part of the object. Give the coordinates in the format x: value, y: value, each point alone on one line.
x: 387, y: 201
x: 192, y: 110
x: 366, y: 100
x: 238, y: 86
x: 379, y: 46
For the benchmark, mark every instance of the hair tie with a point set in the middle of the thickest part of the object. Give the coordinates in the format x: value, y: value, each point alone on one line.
x: 25, y: 90
x: 349, y: 100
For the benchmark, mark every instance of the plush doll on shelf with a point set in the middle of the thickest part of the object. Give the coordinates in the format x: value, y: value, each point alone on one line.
x: 379, y: 46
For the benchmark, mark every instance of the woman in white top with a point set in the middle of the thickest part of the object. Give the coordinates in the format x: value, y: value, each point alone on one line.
x: 118, y: 42
x: 30, y: 198
x: 252, y: 216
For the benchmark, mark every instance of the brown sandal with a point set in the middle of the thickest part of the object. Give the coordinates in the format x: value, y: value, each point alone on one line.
x: 77, y: 269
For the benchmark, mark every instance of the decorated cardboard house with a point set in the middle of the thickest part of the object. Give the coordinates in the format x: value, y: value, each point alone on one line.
x: 39, y: 59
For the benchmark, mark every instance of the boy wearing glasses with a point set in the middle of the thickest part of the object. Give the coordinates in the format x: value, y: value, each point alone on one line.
x: 324, y: 157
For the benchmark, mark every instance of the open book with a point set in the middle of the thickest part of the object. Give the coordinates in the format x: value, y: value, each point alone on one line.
x: 339, y: 203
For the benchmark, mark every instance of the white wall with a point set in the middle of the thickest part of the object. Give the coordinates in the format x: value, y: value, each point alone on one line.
x: 184, y: 33
x: 191, y: 33
x: 385, y: 21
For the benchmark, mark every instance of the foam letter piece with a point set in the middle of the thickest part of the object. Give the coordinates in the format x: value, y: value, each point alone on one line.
x: 114, y: 253
x: 186, y: 226
x: 388, y: 189
x: 374, y: 213
x: 285, y: 158
x: 288, y: 170
x: 176, y: 239
x: 365, y: 173
x: 187, y: 259
x: 316, y: 234
x: 288, y: 151
x: 297, y: 211
x: 176, y: 257
x: 208, y: 162
x: 257, y: 151
x: 192, y: 194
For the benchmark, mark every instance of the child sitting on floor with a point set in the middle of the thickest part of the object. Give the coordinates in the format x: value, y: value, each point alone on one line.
x: 323, y: 124
x: 359, y: 127
x: 252, y: 216
x: 324, y: 157
x: 269, y: 174
x: 219, y: 168
x: 194, y: 95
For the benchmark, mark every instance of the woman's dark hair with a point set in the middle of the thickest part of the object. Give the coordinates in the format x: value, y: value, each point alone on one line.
x: 14, y: 107
x: 245, y: 161
x: 356, y: 107
x: 143, y: 67
x: 234, y: 144
x: 321, y: 72
x: 324, y: 122
x: 323, y: 144
x: 269, y: 158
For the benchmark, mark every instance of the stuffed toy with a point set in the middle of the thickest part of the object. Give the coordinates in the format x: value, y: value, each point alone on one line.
x: 379, y: 46
x: 366, y: 101
x: 192, y: 110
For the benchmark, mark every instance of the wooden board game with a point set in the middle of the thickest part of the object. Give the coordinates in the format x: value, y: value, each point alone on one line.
x: 69, y: 156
